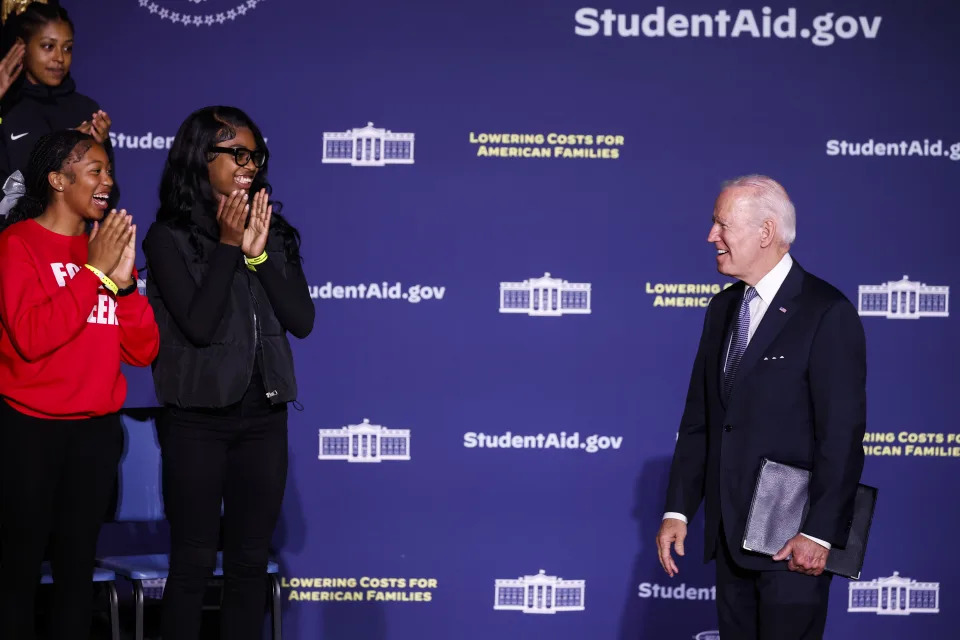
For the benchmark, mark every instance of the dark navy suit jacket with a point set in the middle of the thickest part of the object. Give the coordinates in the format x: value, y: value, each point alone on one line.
x: 799, y: 397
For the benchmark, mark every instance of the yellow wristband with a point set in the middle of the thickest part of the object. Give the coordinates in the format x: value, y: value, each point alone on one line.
x: 253, y: 262
x: 107, y: 282
x: 260, y: 259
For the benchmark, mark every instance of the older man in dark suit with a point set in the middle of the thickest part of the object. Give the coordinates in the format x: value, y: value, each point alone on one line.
x: 780, y: 373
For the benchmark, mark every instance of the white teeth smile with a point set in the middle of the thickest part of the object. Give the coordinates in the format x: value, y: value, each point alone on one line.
x: 244, y: 180
x: 101, y: 197
x: 720, y: 252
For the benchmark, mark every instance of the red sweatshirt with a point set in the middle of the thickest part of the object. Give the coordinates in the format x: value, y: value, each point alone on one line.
x: 62, y: 334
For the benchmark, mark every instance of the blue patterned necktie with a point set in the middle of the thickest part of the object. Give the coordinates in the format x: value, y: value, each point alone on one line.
x: 738, y: 343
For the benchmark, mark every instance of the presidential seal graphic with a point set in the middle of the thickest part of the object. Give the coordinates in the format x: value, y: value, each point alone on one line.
x: 199, y: 13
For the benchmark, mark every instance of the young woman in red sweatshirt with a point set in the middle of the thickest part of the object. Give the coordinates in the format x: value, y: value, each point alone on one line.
x: 70, y: 313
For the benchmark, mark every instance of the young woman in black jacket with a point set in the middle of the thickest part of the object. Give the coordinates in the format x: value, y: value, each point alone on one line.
x: 44, y: 97
x: 226, y: 284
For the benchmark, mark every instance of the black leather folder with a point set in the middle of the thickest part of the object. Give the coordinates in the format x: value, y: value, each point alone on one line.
x: 779, y: 507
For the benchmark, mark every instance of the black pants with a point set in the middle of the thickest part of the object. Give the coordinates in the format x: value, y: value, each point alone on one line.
x: 57, y: 478
x: 241, y: 460
x: 769, y: 605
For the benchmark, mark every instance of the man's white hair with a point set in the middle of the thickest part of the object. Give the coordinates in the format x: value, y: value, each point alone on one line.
x: 769, y: 200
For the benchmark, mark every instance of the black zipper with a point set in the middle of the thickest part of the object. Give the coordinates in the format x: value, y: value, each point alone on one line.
x: 270, y: 393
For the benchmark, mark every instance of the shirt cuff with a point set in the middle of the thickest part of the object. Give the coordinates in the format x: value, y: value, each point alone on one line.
x: 674, y: 514
x: 822, y: 543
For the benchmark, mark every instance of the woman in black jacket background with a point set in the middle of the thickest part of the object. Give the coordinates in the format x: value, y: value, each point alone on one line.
x: 226, y: 284
x: 44, y: 97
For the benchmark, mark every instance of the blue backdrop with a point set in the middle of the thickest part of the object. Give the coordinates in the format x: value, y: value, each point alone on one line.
x: 667, y: 103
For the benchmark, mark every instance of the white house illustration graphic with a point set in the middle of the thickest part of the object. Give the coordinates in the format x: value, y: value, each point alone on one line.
x: 367, y: 146
x: 364, y: 442
x: 539, y: 594
x: 894, y: 596
x: 903, y: 299
x: 545, y: 296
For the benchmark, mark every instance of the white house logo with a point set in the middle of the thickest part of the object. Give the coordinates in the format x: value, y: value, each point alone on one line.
x: 903, y: 299
x: 545, y: 296
x: 707, y: 635
x: 367, y: 146
x: 364, y: 442
x: 894, y: 596
x: 539, y: 594
x: 225, y: 11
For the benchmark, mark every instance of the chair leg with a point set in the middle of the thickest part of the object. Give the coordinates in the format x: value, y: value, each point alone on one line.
x: 275, y: 614
x: 114, y: 611
x: 138, y: 609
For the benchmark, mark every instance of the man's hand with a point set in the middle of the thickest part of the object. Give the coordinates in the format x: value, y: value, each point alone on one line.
x: 803, y: 555
x: 672, y: 531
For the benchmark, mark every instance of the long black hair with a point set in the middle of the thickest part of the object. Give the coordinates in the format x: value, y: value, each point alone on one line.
x: 25, y: 26
x: 52, y: 152
x: 186, y: 177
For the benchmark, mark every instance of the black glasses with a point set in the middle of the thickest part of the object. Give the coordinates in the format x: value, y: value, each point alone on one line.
x: 242, y: 155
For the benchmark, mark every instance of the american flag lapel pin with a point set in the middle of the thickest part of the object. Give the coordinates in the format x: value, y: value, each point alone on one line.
x: 783, y: 310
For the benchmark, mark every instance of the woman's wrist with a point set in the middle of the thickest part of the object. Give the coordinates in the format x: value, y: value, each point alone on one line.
x: 255, y: 260
x: 105, y: 280
x: 123, y: 283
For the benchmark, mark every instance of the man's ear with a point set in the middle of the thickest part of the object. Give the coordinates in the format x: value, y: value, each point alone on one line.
x: 768, y: 232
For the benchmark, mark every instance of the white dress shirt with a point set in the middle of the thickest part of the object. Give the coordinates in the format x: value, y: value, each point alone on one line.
x: 766, y: 289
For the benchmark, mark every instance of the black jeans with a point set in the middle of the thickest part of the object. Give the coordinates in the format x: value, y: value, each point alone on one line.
x: 57, y: 478
x: 241, y: 460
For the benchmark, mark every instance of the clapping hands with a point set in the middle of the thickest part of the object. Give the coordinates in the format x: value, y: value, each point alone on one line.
x: 245, y: 225
x: 98, y: 126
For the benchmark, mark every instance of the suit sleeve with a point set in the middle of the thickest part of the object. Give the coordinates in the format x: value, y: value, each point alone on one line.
x: 838, y: 376
x: 687, y: 472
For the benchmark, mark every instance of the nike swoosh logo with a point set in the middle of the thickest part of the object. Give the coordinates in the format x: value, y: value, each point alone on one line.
x: 18, y: 136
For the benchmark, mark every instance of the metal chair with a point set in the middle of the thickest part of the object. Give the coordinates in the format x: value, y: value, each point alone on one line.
x: 102, y: 576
